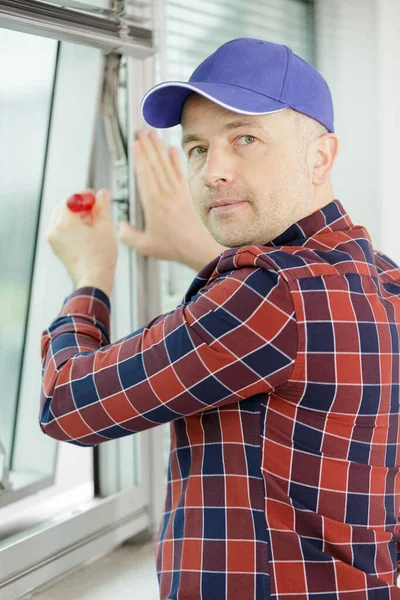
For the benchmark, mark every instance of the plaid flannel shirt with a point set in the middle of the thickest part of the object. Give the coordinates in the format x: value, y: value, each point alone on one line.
x: 279, y: 373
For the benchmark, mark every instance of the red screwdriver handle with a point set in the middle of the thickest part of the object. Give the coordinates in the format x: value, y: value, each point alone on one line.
x: 81, y: 202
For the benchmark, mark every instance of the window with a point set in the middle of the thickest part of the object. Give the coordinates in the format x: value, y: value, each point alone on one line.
x: 25, y: 107
x: 64, y: 503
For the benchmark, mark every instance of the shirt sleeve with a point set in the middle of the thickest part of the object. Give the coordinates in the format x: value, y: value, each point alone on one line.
x: 235, y: 338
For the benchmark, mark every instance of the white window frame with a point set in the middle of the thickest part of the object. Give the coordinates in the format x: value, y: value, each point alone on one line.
x: 34, y: 556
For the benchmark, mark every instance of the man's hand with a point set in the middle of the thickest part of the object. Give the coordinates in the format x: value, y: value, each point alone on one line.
x: 173, y: 229
x: 86, y: 243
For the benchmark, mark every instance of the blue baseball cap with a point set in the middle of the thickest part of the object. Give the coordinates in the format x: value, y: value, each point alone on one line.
x: 246, y: 76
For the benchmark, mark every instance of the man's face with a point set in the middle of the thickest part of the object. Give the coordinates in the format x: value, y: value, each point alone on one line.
x: 255, y: 161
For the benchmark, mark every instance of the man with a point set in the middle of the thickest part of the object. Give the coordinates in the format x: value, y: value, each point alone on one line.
x: 279, y: 371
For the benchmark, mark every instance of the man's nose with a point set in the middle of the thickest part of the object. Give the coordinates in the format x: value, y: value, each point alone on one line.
x: 218, y: 167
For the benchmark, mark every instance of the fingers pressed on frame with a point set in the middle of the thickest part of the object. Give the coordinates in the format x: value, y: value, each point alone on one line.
x: 151, y: 155
x: 147, y: 185
x: 165, y: 159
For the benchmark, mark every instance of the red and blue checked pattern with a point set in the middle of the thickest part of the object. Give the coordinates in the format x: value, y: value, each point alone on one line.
x: 279, y: 373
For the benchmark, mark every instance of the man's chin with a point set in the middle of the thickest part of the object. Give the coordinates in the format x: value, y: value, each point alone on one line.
x: 232, y: 242
x: 226, y: 236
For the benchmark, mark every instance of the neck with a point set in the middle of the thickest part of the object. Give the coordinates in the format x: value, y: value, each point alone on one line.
x: 323, y: 195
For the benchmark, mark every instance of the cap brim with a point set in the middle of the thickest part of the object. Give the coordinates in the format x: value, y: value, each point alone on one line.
x: 162, y: 105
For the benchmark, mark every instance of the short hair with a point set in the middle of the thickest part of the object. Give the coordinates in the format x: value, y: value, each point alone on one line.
x: 307, y: 127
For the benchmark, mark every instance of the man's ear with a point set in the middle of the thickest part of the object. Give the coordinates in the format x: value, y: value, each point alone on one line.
x: 326, y: 148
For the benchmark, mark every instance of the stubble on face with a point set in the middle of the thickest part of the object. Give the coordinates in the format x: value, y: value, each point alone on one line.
x: 273, y: 177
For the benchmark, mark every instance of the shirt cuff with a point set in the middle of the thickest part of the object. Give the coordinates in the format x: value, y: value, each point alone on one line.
x: 90, y: 301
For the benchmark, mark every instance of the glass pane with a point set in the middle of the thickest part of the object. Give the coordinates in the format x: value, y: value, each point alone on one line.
x: 46, y: 476
x: 27, y: 66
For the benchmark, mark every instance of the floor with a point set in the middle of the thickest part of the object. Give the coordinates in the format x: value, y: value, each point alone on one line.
x: 127, y: 573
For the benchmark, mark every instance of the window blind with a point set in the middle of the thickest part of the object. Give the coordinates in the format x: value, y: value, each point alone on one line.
x: 194, y: 30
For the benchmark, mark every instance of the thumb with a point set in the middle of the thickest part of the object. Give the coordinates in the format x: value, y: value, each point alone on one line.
x: 132, y: 237
x: 103, y: 203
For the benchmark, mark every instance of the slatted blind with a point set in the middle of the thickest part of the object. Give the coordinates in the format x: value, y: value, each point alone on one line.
x: 193, y: 30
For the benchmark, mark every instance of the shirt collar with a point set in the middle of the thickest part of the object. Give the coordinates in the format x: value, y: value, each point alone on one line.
x: 331, y: 217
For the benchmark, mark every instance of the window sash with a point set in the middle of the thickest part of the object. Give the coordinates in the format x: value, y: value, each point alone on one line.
x: 115, y: 33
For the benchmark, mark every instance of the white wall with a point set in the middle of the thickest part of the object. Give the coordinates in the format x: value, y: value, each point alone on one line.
x: 346, y: 56
x: 388, y: 86
x: 358, y: 45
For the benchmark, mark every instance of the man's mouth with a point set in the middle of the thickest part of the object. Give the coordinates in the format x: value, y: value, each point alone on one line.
x: 225, y: 205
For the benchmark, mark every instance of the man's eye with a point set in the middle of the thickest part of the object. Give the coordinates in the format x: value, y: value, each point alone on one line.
x: 196, y: 150
x: 192, y: 151
x: 248, y: 137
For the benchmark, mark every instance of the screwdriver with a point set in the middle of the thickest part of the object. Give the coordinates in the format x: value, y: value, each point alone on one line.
x: 81, y: 202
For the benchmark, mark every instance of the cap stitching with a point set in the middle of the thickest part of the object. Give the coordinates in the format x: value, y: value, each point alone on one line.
x: 211, y: 66
x: 287, y: 70
x: 238, y: 86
